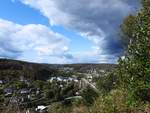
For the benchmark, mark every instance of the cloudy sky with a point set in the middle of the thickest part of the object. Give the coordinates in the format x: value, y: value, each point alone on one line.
x: 63, y: 31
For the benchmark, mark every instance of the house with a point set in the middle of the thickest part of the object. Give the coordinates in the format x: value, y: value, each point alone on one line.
x: 77, y: 93
x: 52, y: 79
x: 23, y: 79
x: 70, y: 79
x: 8, y: 92
x: 1, y: 82
x: 68, y: 69
x: 59, y: 79
x: 24, y: 91
x: 41, y: 108
x: 64, y: 80
x: 89, y: 78
x: 75, y: 79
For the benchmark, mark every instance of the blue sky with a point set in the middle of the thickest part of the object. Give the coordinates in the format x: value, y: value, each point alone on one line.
x: 22, y: 14
x: 47, y: 31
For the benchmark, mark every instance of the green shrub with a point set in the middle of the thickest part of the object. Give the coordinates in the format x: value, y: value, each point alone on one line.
x: 89, y: 96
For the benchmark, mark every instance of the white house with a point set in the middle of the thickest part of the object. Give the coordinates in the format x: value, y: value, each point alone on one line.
x: 1, y: 82
x: 8, y: 91
x: 24, y: 91
x: 41, y: 108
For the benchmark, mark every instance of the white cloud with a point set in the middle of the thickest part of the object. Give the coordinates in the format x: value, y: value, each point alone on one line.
x: 32, y: 42
x: 97, y: 20
x: 94, y: 57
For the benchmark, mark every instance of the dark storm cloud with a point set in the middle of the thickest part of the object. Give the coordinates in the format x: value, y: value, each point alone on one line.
x: 98, y: 16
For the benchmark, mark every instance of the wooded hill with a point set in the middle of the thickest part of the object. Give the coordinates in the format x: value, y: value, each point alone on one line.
x: 13, y: 69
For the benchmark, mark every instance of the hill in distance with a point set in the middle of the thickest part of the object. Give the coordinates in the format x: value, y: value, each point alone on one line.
x: 13, y: 69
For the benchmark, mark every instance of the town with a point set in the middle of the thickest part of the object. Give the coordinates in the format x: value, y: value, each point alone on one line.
x: 37, y: 96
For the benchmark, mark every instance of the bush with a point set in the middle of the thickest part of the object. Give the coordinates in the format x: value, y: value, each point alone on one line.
x: 59, y: 108
x: 143, y: 93
x: 89, y: 96
x: 107, y: 83
x: 118, y: 101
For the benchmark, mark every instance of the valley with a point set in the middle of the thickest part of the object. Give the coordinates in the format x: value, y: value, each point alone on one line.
x: 35, y: 87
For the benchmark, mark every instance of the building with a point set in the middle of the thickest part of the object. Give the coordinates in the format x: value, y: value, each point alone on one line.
x: 41, y: 109
x: 8, y: 92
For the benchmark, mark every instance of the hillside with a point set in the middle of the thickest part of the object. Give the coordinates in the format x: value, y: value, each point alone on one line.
x: 12, y: 69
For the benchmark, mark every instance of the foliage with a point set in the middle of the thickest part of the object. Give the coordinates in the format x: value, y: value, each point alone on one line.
x: 39, y: 84
x: 59, y: 108
x: 127, y: 29
x: 18, y: 85
x: 106, y: 83
x: 117, y: 101
x: 135, y: 68
x: 62, y: 108
x: 89, y: 96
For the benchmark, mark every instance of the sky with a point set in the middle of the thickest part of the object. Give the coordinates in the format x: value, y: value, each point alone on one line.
x: 63, y: 31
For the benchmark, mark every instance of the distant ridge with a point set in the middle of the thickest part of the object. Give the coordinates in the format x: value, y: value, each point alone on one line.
x: 13, y: 69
